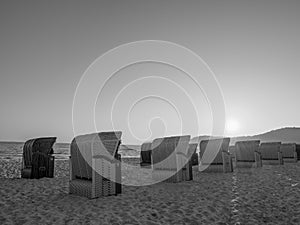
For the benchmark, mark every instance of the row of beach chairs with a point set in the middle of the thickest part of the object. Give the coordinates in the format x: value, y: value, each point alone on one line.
x: 95, y: 164
x: 216, y: 155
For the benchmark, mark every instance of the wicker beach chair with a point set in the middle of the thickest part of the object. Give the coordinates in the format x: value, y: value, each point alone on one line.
x: 146, y: 154
x: 170, y: 158
x: 37, y: 160
x: 289, y: 152
x: 214, y: 156
x: 95, y: 168
x: 271, y: 153
x: 247, y: 154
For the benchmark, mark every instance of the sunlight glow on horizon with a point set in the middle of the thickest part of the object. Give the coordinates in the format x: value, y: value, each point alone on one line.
x: 232, y: 126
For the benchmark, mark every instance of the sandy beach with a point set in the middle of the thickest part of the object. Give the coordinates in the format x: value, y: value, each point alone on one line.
x: 268, y: 195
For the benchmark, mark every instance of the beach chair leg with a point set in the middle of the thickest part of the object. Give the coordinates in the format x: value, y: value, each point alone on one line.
x: 258, y: 161
x: 190, y: 170
x: 118, y: 176
x: 50, y: 167
x: 230, y: 164
x: 280, y: 158
x: 295, y: 157
x: 227, y: 163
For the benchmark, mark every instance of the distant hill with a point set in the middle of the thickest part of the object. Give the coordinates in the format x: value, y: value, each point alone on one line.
x: 288, y: 134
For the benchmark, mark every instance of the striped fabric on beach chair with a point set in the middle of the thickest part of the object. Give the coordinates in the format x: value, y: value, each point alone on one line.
x: 146, y: 154
x: 37, y: 160
x: 271, y: 153
x: 247, y: 154
x: 289, y: 152
x: 214, y: 155
x: 170, y: 159
x: 95, y: 168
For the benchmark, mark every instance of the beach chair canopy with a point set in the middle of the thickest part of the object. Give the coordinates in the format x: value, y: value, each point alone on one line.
x: 164, y: 151
x: 146, y: 152
x: 269, y: 150
x: 244, y: 150
x: 211, y: 150
x: 42, y: 145
x: 288, y: 150
x: 85, y: 147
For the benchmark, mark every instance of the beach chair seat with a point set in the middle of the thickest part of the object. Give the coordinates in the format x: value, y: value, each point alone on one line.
x: 95, y: 165
x: 247, y: 154
x: 37, y: 160
x: 289, y: 152
x: 170, y: 158
x: 146, y: 154
x: 271, y: 153
x: 214, y: 156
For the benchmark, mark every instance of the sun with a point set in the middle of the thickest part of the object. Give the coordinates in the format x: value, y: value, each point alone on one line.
x: 232, y: 125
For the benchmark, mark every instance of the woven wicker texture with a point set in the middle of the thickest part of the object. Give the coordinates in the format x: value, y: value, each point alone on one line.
x: 245, y: 150
x: 209, y: 147
x: 288, y: 150
x: 269, y: 150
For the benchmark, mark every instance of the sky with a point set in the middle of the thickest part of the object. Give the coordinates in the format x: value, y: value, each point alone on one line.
x: 252, y: 47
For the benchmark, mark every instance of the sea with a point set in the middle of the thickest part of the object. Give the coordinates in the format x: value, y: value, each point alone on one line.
x: 10, y: 149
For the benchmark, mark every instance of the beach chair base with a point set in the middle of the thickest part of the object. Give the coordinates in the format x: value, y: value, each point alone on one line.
x: 246, y: 164
x: 272, y: 162
x: 85, y: 188
x: 290, y: 160
x: 26, y: 173
x: 145, y: 164
x: 211, y: 168
x: 82, y: 188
